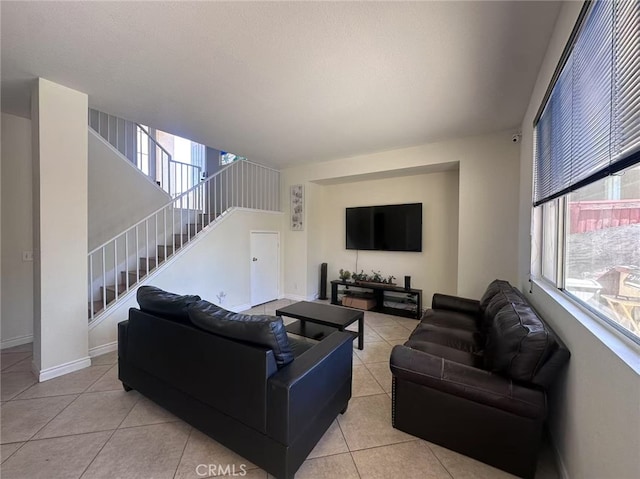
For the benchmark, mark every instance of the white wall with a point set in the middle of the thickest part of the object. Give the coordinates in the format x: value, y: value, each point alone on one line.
x: 120, y: 195
x: 17, y: 231
x: 487, y: 238
x: 594, y: 408
x: 59, y: 135
x: 219, y: 260
x: 489, y: 189
x: 432, y: 270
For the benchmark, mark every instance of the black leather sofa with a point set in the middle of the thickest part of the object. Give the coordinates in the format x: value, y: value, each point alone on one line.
x: 238, y: 378
x: 473, y: 377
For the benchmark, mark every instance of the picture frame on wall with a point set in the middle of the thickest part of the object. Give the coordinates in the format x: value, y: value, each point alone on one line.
x: 297, y: 207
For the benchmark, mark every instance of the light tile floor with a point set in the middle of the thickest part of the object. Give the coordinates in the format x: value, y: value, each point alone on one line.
x: 83, y: 425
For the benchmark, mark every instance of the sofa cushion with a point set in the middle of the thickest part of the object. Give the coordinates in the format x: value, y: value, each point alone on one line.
x: 453, y: 338
x: 300, y: 345
x: 161, y: 303
x: 499, y: 301
x: 519, y: 343
x: 451, y: 319
x: 263, y: 330
x: 494, y: 288
x: 445, y: 352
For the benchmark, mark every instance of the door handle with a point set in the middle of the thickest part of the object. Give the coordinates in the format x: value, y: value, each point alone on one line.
x: 254, y: 259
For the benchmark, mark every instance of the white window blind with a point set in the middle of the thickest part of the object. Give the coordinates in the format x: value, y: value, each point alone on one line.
x: 590, y: 124
x: 627, y: 78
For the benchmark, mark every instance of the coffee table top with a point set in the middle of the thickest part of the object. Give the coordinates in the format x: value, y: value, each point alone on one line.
x: 320, y: 313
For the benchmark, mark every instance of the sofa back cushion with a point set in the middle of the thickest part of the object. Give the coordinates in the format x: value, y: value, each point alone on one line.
x: 494, y: 288
x: 499, y: 301
x: 171, y: 306
x: 519, y: 343
x: 262, y: 330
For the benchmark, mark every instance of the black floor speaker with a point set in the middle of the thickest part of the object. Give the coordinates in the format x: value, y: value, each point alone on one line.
x: 323, y: 281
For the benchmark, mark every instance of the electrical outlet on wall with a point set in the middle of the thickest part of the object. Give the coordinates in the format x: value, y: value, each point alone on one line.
x: 27, y: 256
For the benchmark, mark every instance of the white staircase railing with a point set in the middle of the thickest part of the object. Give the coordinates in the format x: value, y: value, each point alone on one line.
x: 140, y: 148
x: 118, y: 264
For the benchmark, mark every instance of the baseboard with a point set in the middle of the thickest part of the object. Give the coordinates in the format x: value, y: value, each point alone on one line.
x: 240, y: 308
x: 104, y: 349
x: 19, y: 341
x: 299, y: 297
x: 61, y: 370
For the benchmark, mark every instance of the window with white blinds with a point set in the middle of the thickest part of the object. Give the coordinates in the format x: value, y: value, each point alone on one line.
x: 589, y: 126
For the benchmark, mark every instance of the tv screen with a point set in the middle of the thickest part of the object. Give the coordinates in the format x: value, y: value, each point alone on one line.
x: 385, y: 228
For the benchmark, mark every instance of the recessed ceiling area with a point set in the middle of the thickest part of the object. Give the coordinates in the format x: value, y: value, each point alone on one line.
x: 394, y: 173
x: 288, y: 82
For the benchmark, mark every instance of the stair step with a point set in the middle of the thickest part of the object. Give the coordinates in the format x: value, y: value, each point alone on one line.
x: 181, y: 239
x: 195, y: 228
x: 166, y: 251
x: 132, y: 276
x: 152, y: 263
x: 97, y: 307
x: 204, y: 218
x: 111, y: 291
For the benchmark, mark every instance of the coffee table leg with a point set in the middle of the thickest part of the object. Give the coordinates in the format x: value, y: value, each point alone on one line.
x: 302, y: 328
x: 361, y: 333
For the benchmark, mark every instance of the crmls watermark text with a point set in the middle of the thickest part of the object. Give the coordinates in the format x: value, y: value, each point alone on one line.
x: 219, y: 470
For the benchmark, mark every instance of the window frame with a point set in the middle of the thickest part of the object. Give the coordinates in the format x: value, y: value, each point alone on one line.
x: 559, y: 283
x: 556, y: 252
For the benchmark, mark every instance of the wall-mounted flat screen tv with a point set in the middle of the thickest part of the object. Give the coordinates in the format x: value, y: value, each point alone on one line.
x: 385, y: 228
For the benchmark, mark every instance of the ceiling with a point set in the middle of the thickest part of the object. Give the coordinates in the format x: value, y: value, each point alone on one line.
x: 289, y: 82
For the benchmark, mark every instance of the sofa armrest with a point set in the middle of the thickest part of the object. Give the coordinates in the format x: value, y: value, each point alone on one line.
x: 467, y: 382
x: 123, y: 327
x: 455, y: 303
x: 299, y: 391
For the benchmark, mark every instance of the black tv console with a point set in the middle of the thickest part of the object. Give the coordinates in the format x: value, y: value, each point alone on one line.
x: 389, y: 299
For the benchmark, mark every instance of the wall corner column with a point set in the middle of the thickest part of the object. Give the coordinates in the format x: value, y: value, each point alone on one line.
x: 60, y: 229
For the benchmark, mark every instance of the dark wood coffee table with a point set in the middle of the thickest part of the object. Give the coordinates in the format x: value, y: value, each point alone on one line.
x: 323, y: 319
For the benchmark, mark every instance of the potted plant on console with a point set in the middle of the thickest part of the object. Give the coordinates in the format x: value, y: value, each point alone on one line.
x: 344, y: 275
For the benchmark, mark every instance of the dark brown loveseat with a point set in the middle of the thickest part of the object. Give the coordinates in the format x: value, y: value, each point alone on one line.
x: 473, y: 377
x: 238, y: 378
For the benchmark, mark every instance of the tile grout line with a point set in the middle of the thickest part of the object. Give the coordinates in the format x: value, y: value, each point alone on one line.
x: 7, y: 458
x: 353, y: 459
x: 405, y: 441
x: 110, y: 436
x: 121, y: 427
x: 438, y: 459
x: 6, y: 370
x: 323, y: 457
x: 374, y: 377
x: 13, y: 398
x: 16, y: 398
x: 348, y: 448
x: 184, y: 448
x: 68, y: 435
x: 47, y: 423
x: 99, y: 378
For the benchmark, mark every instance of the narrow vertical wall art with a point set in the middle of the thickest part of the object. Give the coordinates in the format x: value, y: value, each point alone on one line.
x: 297, y: 207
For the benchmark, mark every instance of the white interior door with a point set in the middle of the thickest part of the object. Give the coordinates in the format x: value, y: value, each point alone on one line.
x: 265, y: 262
